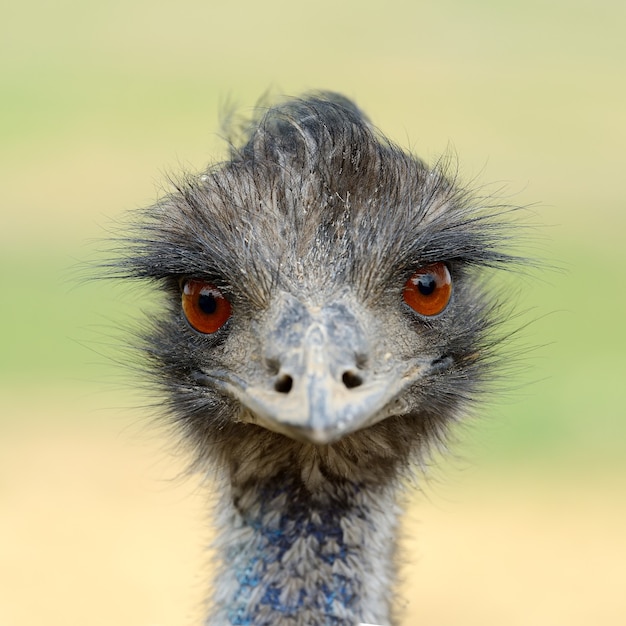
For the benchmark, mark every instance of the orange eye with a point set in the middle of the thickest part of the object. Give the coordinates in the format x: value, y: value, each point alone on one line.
x: 206, y: 309
x: 428, y: 291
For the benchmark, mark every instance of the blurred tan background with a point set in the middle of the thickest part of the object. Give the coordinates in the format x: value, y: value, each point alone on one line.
x: 98, y: 100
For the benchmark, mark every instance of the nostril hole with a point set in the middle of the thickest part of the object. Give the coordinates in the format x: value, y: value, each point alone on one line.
x: 283, y: 383
x: 351, y: 380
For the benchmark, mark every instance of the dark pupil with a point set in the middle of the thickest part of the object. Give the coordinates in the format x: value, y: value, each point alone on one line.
x: 207, y: 303
x: 426, y: 284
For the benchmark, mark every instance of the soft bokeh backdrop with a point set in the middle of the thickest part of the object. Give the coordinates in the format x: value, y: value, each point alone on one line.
x: 99, y: 100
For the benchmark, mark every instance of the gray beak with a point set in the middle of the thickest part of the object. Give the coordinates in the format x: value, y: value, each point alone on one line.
x: 324, y: 388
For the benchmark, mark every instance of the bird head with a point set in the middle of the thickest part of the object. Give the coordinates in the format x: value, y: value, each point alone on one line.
x: 323, y: 287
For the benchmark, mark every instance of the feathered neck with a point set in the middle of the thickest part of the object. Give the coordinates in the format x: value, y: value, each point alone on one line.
x: 311, y: 551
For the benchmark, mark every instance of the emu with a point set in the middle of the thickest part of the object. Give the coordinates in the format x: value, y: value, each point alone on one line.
x: 326, y: 320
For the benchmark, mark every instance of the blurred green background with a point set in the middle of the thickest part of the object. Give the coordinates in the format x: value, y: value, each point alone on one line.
x: 99, y: 100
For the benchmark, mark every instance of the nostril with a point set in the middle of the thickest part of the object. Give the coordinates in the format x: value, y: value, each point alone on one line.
x: 283, y: 383
x: 351, y: 380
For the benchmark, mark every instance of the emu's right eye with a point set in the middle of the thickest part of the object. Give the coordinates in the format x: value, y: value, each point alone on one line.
x: 205, y: 308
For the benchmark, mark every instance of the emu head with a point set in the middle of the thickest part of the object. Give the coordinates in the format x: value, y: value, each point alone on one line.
x: 323, y: 295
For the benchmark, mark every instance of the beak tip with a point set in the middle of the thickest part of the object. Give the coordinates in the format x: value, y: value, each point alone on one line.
x: 322, y: 437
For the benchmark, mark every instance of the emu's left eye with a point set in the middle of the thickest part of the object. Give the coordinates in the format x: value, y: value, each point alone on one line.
x: 428, y: 291
x: 205, y: 308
